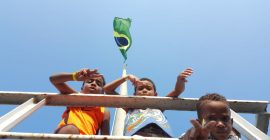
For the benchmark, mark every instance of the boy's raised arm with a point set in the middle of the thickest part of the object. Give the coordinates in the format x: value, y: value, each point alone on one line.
x: 180, y: 83
x: 59, y: 80
x: 111, y: 87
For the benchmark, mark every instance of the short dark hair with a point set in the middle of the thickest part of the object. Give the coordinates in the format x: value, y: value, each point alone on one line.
x: 149, y: 80
x: 206, y: 98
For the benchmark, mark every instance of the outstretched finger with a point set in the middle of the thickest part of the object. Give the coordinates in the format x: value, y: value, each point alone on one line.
x: 138, y: 83
x: 83, y: 72
x: 207, y: 128
x: 90, y: 72
x: 185, y: 75
x: 196, y: 130
x: 133, y: 81
x: 187, y: 72
x: 95, y: 75
x: 210, y: 125
x: 196, y: 124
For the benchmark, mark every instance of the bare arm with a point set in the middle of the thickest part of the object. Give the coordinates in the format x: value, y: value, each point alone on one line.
x: 59, y: 80
x: 105, y: 126
x: 111, y: 87
x: 180, y: 83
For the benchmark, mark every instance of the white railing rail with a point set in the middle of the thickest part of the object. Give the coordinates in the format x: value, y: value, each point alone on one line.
x: 31, y: 101
x: 164, y: 103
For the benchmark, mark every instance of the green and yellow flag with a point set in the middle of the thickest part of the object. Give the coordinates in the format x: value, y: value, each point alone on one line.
x: 121, y: 34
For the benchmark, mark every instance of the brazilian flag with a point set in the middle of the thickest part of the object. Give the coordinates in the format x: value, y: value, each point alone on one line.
x: 121, y: 34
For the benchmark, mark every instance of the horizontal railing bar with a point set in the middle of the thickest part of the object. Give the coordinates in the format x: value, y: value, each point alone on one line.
x: 17, y: 135
x: 164, y: 103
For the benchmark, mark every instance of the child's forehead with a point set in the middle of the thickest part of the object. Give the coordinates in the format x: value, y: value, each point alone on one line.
x: 100, y: 78
x: 96, y: 78
x: 215, y: 107
x: 146, y: 82
x: 216, y: 104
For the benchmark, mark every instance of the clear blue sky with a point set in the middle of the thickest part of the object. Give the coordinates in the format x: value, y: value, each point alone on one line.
x: 225, y: 42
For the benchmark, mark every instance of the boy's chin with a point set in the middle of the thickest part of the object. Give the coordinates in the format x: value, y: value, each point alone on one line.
x: 221, y: 136
x: 94, y: 92
x: 97, y: 92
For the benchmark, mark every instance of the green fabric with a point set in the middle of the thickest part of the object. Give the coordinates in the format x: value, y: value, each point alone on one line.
x: 122, y: 35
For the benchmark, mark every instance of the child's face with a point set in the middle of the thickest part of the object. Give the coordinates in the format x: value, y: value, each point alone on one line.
x: 93, y: 85
x: 220, y: 113
x: 145, y: 88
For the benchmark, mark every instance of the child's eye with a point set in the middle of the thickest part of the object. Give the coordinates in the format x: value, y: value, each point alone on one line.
x: 226, y: 119
x: 98, y: 82
x: 211, y: 118
x: 149, y: 88
x: 140, y: 88
x: 90, y: 80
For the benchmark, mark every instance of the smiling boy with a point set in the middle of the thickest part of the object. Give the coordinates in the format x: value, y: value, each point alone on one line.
x: 214, y: 120
x: 148, y: 122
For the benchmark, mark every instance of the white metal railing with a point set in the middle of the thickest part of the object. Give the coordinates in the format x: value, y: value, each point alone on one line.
x: 18, y: 114
x: 247, y: 129
x: 32, y: 100
x: 164, y: 103
x: 16, y: 135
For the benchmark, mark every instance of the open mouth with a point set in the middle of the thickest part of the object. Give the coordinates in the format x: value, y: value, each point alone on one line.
x: 92, y: 88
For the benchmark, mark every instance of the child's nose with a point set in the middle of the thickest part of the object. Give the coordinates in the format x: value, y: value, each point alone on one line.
x: 93, y: 84
x: 220, y: 124
x: 144, y: 90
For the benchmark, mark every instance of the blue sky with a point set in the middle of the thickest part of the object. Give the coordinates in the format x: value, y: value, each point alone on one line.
x: 225, y: 42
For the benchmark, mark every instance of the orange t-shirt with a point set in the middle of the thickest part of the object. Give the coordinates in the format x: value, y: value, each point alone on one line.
x: 87, y: 119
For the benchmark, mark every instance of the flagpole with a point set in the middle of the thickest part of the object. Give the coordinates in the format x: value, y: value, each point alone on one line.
x: 123, y: 40
x: 120, y: 114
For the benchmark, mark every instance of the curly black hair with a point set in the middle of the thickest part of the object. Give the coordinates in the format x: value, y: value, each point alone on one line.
x: 209, y: 97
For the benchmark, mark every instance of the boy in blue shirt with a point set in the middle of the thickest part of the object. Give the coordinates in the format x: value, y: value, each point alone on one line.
x: 147, y: 122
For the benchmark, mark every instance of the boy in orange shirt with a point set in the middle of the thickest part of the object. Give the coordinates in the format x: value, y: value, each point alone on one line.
x: 82, y: 120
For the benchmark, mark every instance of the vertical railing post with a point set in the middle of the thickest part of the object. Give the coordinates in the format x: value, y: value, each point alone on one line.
x: 262, y: 121
x: 120, y: 114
